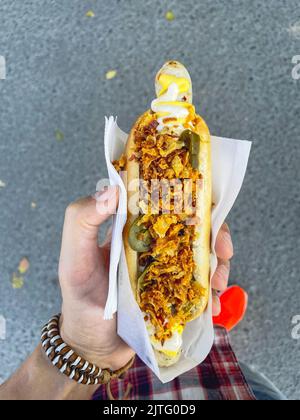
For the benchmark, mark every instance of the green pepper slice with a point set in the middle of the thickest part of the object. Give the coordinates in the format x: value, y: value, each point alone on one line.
x: 192, y: 143
x: 140, y: 282
x: 139, y: 237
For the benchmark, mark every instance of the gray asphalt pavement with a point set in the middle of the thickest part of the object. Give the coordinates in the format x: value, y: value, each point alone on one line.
x: 52, y: 107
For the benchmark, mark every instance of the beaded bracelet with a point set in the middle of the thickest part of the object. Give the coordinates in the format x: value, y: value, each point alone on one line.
x: 70, y: 363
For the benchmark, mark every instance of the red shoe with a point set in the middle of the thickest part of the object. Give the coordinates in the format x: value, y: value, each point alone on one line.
x: 234, y: 302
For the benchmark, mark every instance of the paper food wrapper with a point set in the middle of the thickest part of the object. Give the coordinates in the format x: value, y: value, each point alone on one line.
x: 229, y: 163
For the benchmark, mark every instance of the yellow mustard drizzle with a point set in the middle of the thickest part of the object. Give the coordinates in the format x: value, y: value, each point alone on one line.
x: 169, y: 110
x: 166, y: 79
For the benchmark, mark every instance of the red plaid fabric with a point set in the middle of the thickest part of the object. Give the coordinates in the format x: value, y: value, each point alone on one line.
x: 219, y: 377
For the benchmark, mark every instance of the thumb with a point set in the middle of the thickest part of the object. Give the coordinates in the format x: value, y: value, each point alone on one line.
x: 83, y: 218
x: 87, y: 214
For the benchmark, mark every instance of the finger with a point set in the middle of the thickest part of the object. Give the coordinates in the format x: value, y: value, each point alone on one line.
x: 224, y: 247
x: 87, y: 214
x: 216, y: 305
x: 79, y: 252
x: 106, y: 202
x: 220, y: 278
x: 107, y: 241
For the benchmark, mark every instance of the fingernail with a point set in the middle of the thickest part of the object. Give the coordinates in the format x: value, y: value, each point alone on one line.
x: 107, y: 194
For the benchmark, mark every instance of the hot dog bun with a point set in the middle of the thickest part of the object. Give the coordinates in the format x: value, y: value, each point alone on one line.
x: 202, y: 215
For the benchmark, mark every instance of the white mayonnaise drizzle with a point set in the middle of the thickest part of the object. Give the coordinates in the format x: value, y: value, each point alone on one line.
x: 171, y: 110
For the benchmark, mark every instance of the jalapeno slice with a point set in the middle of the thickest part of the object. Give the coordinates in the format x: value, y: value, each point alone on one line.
x: 139, y: 237
x: 192, y: 143
x: 140, y: 282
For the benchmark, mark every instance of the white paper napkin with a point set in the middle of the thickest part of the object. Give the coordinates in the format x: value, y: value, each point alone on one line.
x: 229, y: 163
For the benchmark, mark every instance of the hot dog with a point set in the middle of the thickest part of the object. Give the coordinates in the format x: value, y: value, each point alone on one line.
x: 167, y: 234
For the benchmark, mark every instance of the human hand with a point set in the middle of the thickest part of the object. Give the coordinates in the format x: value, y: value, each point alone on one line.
x: 219, y: 281
x: 83, y: 275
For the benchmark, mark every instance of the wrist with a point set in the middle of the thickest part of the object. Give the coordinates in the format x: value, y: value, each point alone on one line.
x: 69, y: 362
x: 95, y: 341
x: 85, y: 347
x: 61, y: 387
